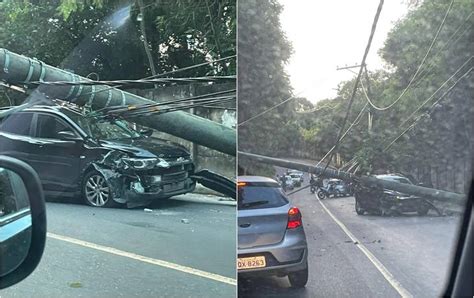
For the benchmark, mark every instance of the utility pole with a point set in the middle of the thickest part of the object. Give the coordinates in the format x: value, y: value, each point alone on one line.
x: 369, y: 94
x: 411, y: 189
x: 370, y: 114
x: 17, y: 70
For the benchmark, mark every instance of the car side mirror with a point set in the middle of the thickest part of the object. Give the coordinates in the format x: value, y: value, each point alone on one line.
x: 68, y: 136
x: 22, y: 221
x: 420, y: 184
x: 146, y: 132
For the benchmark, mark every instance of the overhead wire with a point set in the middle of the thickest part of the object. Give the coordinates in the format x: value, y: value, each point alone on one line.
x: 432, y: 106
x: 419, y: 66
x: 269, y: 109
x: 446, y: 45
x: 129, y: 82
x: 421, y: 105
x: 429, y: 98
x: 156, y: 107
x: 192, y: 98
x: 354, y: 90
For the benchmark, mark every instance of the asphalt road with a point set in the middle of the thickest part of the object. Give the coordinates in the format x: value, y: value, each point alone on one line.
x: 92, y: 252
x: 386, y: 257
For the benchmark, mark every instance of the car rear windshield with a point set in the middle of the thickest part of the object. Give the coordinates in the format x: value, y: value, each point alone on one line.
x: 257, y: 196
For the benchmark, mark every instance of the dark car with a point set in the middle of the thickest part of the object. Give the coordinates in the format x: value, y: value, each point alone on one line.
x: 105, y: 161
x: 384, y: 201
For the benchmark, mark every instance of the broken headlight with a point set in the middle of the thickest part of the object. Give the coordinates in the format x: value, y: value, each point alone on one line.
x: 141, y: 163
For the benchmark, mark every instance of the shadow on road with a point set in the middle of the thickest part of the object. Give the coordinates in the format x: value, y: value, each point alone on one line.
x: 158, y: 204
x: 268, y: 287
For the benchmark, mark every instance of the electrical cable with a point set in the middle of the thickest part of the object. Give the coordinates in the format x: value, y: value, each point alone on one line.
x: 269, y: 109
x: 419, y: 67
x: 193, y: 98
x: 129, y: 82
x: 432, y: 106
x: 351, y: 100
x: 355, y: 122
x: 154, y: 107
x: 446, y: 45
x: 429, y: 98
x: 190, y: 67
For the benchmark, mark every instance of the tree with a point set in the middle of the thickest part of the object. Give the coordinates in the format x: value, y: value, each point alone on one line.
x: 262, y: 81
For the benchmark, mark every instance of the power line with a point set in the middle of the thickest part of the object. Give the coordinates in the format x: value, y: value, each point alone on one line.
x: 191, y: 67
x: 421, y: 64
x: 130, y: 82
x: 192, y: 98
x: 429, y: 98
x: 168, y: 104
x: 446, y: 45
x: 355, y: 122
x: 432, y: 106
x: 269, y: 109
x: 353, y: 161
x: 351, y: 100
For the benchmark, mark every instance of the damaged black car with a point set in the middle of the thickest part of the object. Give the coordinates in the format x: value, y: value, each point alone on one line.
x: 378, y: 201
x: 104, y: 161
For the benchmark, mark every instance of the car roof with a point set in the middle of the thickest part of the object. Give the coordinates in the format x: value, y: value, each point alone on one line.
x: 255, y: 179
x: 57, y: 107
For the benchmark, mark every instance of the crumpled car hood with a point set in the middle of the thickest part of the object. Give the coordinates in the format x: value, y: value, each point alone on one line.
x: 146, y: 147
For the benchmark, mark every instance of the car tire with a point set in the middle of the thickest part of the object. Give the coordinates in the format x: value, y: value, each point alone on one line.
x: 96, y: 191
x: 423, y: 209
x: 358, y: 208
x: 321, y: 195
x: 298, y: 279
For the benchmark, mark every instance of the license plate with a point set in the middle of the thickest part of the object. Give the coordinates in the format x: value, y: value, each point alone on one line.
x: 173, y: 186
x: 251, y: 262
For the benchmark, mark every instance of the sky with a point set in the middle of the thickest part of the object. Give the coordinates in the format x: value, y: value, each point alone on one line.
x: 330, y: 34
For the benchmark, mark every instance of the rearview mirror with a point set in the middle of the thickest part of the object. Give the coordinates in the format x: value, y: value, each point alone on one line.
x: 68, y: 135
x: 22, y: 221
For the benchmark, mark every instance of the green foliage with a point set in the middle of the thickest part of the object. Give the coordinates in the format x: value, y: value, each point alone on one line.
x: 263, y: 83
x: 104, y: 36
x: 440, y: 136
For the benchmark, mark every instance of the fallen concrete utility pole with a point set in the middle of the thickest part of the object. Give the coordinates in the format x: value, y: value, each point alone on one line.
x: 368, y: 180
x: 17, y: 70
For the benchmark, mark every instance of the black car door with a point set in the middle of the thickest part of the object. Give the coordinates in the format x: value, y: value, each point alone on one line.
x: 55, y: 159
x: 15, y: 136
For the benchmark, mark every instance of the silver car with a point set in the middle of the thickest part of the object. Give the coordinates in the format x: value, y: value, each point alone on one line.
x: 271, y: 235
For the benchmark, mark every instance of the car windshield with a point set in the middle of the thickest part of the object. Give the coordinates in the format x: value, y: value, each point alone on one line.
x: 260, y: 196
x: 103, y: 129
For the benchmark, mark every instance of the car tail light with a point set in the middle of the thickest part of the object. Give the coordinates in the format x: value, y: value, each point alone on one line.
x: 294, y: 218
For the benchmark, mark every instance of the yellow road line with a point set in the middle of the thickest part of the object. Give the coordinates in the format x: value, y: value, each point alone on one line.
x: 380, y: 267
x: 161, y: 263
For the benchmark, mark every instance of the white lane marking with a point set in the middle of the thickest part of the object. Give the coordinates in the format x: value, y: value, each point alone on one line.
x: 157, y: 262
x: 386, y: 274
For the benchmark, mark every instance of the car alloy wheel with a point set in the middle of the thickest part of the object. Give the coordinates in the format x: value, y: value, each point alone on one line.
x: 97, y: 191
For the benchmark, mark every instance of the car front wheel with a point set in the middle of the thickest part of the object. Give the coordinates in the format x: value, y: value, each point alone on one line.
x: 96, y: 191
x: 298, y: 279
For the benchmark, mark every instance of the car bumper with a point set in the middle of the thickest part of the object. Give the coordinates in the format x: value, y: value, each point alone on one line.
x: 162, y: 190
x: 404, y: 204
x: 289, y: 255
